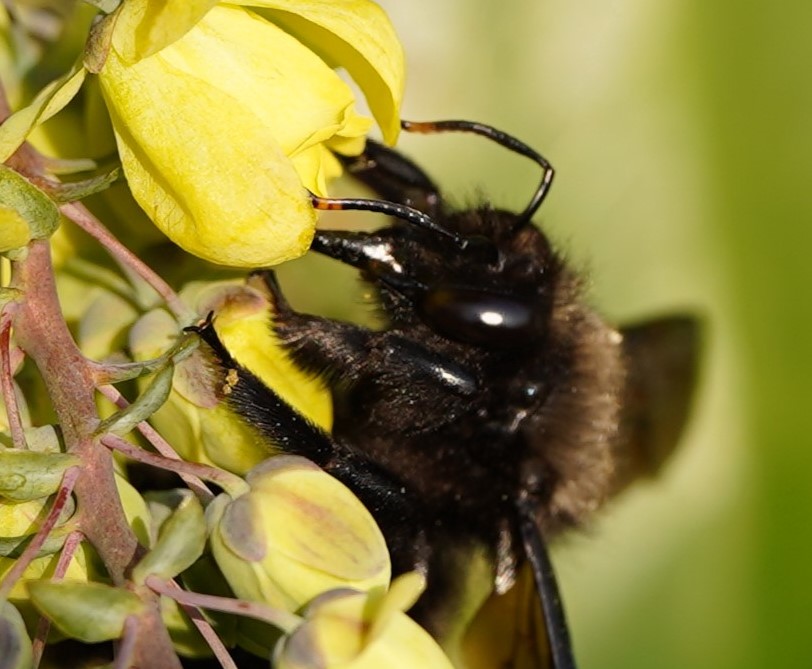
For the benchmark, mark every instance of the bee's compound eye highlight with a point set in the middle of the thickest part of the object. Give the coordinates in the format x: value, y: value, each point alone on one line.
x: 482, y: 318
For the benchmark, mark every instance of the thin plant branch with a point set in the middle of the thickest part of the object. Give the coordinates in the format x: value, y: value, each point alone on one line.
x: 69, y: 479
x: 196, y: 485
x: 284, y: 620
x: 72, y: 543
x: 82, y: 217
x: 125, y: 653
x: 208, y: 633
x: 229, y: 482
x: 15, y: 422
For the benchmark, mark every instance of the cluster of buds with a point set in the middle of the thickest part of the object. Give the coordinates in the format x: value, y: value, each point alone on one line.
x: 176, y: 145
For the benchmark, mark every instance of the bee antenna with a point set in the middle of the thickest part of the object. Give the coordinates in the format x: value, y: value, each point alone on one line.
x: 502, y: 138
x: 401, y: 211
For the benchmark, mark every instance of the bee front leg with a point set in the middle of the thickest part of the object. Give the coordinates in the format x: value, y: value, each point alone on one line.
x: 394, y: 177
x: 331, y: 349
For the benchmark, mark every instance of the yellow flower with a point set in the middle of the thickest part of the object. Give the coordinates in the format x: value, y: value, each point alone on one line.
x: 224, y: 116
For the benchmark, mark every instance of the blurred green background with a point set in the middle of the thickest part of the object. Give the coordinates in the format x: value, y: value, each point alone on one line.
x: 681, y: 136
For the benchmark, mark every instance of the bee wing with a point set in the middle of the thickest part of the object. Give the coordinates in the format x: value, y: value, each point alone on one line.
x: 525, y: 628
x: 662, y: 357
x: 509, y: 631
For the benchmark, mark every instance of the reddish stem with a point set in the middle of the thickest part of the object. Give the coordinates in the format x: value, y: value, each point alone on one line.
x: 284, y: 620
x: 125, y: 653
x: 32, y: 549
x: 206, y: 631
x: 72, y: 543
x: 41, y: 331
x: 229, y: 482
x: 161, y: 445
x: 15, y: 422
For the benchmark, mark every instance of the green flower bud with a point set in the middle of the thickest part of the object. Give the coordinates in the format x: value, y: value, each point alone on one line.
x: 90, y: 612
x: 26, y: 213
x: 181, y: 541
x: 26, y: 475
x: 135, y: 510
x: 297, y: 533
x: 15, y: 646
x: 79, y: 569
x: 19, y: 522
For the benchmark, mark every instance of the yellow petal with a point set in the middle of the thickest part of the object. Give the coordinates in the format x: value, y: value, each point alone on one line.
x: 335, y: 634
x: 203, y: 128
x: 144, y: 27
x: 48, y: 102
x: 244, y: 324
x: 198, y: 428
x: 318, y: 522
x: 353, y: 34
x: 296, y: 534
x: 14, y: 231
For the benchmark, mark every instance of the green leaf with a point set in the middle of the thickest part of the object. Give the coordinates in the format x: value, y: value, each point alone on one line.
x: 180, y: 543
x: 77, y: 190
x: 48, y: 102
x: 90, y: 612
x: 144, y: 406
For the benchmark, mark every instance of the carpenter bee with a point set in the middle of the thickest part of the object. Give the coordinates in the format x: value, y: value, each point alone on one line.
x: 494, y: 410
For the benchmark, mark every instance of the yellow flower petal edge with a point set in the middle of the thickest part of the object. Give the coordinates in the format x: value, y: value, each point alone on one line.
x: 144, y: 27
x: 356, y: 35
x: 251, y: 341
x: 48, y: 102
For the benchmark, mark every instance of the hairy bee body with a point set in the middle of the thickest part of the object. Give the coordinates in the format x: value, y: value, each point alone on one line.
x: 494, y: 409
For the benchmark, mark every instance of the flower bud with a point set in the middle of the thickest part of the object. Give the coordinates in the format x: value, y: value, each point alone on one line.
x: 79, y: 569
x: 181, y: 540
x: 297, y: 533
x: 362, y: 630
x: 90, y: 612
x: 15, y: 645
x: 27, y: 475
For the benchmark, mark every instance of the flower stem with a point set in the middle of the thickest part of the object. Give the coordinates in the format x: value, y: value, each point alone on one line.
x: 284, y: 620
x: 232, y: 484
x: 40, y: 330
x: 72, y: 543
x: 80, y: 215
x: 163, y: 447
x: 7, y: 382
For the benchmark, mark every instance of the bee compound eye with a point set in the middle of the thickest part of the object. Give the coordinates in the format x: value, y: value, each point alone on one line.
x: 482, y: 318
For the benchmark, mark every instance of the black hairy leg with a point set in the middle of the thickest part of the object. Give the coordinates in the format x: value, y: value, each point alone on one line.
x: 394, y: 177
x: 290, y: 432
